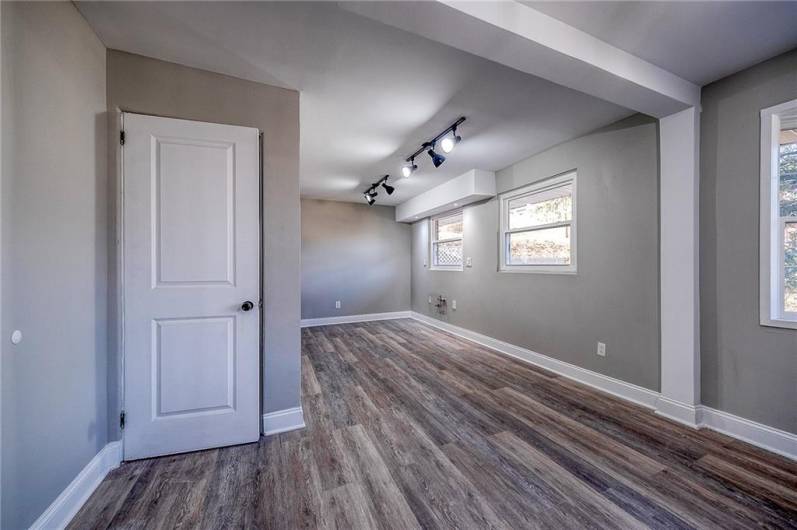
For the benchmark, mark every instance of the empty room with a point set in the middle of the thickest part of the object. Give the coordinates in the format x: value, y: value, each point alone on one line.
x: 398, y: 264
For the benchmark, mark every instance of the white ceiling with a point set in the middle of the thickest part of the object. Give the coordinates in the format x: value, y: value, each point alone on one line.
x: 371, y: 93
x: 698, y: 41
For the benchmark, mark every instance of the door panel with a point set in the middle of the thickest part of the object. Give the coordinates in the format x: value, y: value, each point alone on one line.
x: 194, y: 353
x: 194, y: 209
x: 190, y: 258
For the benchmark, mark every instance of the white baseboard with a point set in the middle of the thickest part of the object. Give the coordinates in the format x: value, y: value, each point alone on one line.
x: 349, y: 319
x: 68, y: 503
x: 283, y: 421
x: 775, y: 440
x: 637, y: 394
x: 677, y: 411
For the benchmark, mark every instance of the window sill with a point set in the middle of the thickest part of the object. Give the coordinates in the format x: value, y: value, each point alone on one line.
x: 543, y: 270
x: 779, y: 323
x: 447, y: 269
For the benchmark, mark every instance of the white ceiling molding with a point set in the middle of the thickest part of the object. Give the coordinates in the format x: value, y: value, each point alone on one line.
x: 470, y: 187
x: 528, y: 40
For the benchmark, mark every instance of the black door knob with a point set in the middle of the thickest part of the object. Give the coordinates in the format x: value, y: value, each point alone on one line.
x: 247, y: 306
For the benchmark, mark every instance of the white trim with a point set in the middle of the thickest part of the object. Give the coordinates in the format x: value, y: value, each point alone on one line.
x: 540, y: 187
x: 699, y: 416
x: 283, y: 421
x: 69, y: 502
x: 772, y: 312
x: 350, y: 319
x: 679, y: 256
x: 682, y: 413
x: 769, y: 438
x: 637, y: 394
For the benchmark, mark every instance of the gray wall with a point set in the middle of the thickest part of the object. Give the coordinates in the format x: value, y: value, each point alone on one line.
x: 746, y: 369
x: 354, y: 253
x: 140, y: 84
x: 54, y: 254
x: 614, y: 296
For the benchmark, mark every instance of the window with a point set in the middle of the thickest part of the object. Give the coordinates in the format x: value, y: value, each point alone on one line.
x: 446, y: 242
x: 538, y: 227
x: 779, y: 215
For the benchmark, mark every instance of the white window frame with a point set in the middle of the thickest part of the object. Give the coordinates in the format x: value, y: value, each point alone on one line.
x: 432, y: 240
x: 772, y: 225
x: 563, y: 179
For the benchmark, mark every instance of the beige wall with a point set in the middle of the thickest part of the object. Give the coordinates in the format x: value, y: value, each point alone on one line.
x: 54, y: 254
x: 140, y: 84
x: 354, y: 253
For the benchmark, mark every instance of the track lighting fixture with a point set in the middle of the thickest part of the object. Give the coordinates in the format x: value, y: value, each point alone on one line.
x: 409, y: 168
x: 437, y: 158
x: 447, y: 145
x: 450, y: 142
x: 370, y: 194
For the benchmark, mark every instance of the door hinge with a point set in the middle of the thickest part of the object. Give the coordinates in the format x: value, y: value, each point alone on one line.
x: 121, y: 138
x: 122, y: 420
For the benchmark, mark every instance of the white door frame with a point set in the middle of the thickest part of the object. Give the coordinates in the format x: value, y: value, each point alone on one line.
x: 117, y: 136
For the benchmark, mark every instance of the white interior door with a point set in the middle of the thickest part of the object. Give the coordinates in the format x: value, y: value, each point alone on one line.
x: 191, y: 251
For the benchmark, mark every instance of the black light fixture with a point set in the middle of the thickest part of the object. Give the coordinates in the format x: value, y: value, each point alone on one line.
x: 370, y: 194
x: 387, y: 187
x: 437, y: 158
x: 447, y: 145
x: 409, y: 167
x: 450, y: 142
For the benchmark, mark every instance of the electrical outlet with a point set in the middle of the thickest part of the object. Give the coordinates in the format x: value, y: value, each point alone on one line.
x: 454, y: 305
x: 601, y: 349
x: 430, y: 299
x: 469, y: 262
x: 337, y: 304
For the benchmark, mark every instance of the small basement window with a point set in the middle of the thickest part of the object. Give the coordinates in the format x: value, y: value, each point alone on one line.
x: 446, y: 242
x: 538, y: 227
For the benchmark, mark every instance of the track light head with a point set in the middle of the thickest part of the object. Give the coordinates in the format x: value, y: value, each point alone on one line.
x: 388, y: 188
x: 370, y: 195
x: 437, y: 158
x: 409, y: 168
x: 450, y: 142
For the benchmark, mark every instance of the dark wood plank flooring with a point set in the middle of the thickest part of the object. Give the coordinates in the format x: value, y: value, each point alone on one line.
x: 409, y: 427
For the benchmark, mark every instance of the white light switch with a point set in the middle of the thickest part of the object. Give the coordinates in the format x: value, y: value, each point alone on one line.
x: 453, y: 304
x: 468, y: 262
x: 337, y: 304
x: 601, y: 349
x: 430, y: 299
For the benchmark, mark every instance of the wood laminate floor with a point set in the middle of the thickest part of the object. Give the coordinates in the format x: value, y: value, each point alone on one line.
x: 409, y: 427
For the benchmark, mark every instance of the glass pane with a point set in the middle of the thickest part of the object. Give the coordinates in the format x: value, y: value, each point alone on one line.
x: 787, y: 169
x: 448, y: 254
x: 448, y: 227
x: 551, y: 206
x: 550, y: 246
x: 790, y: 269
